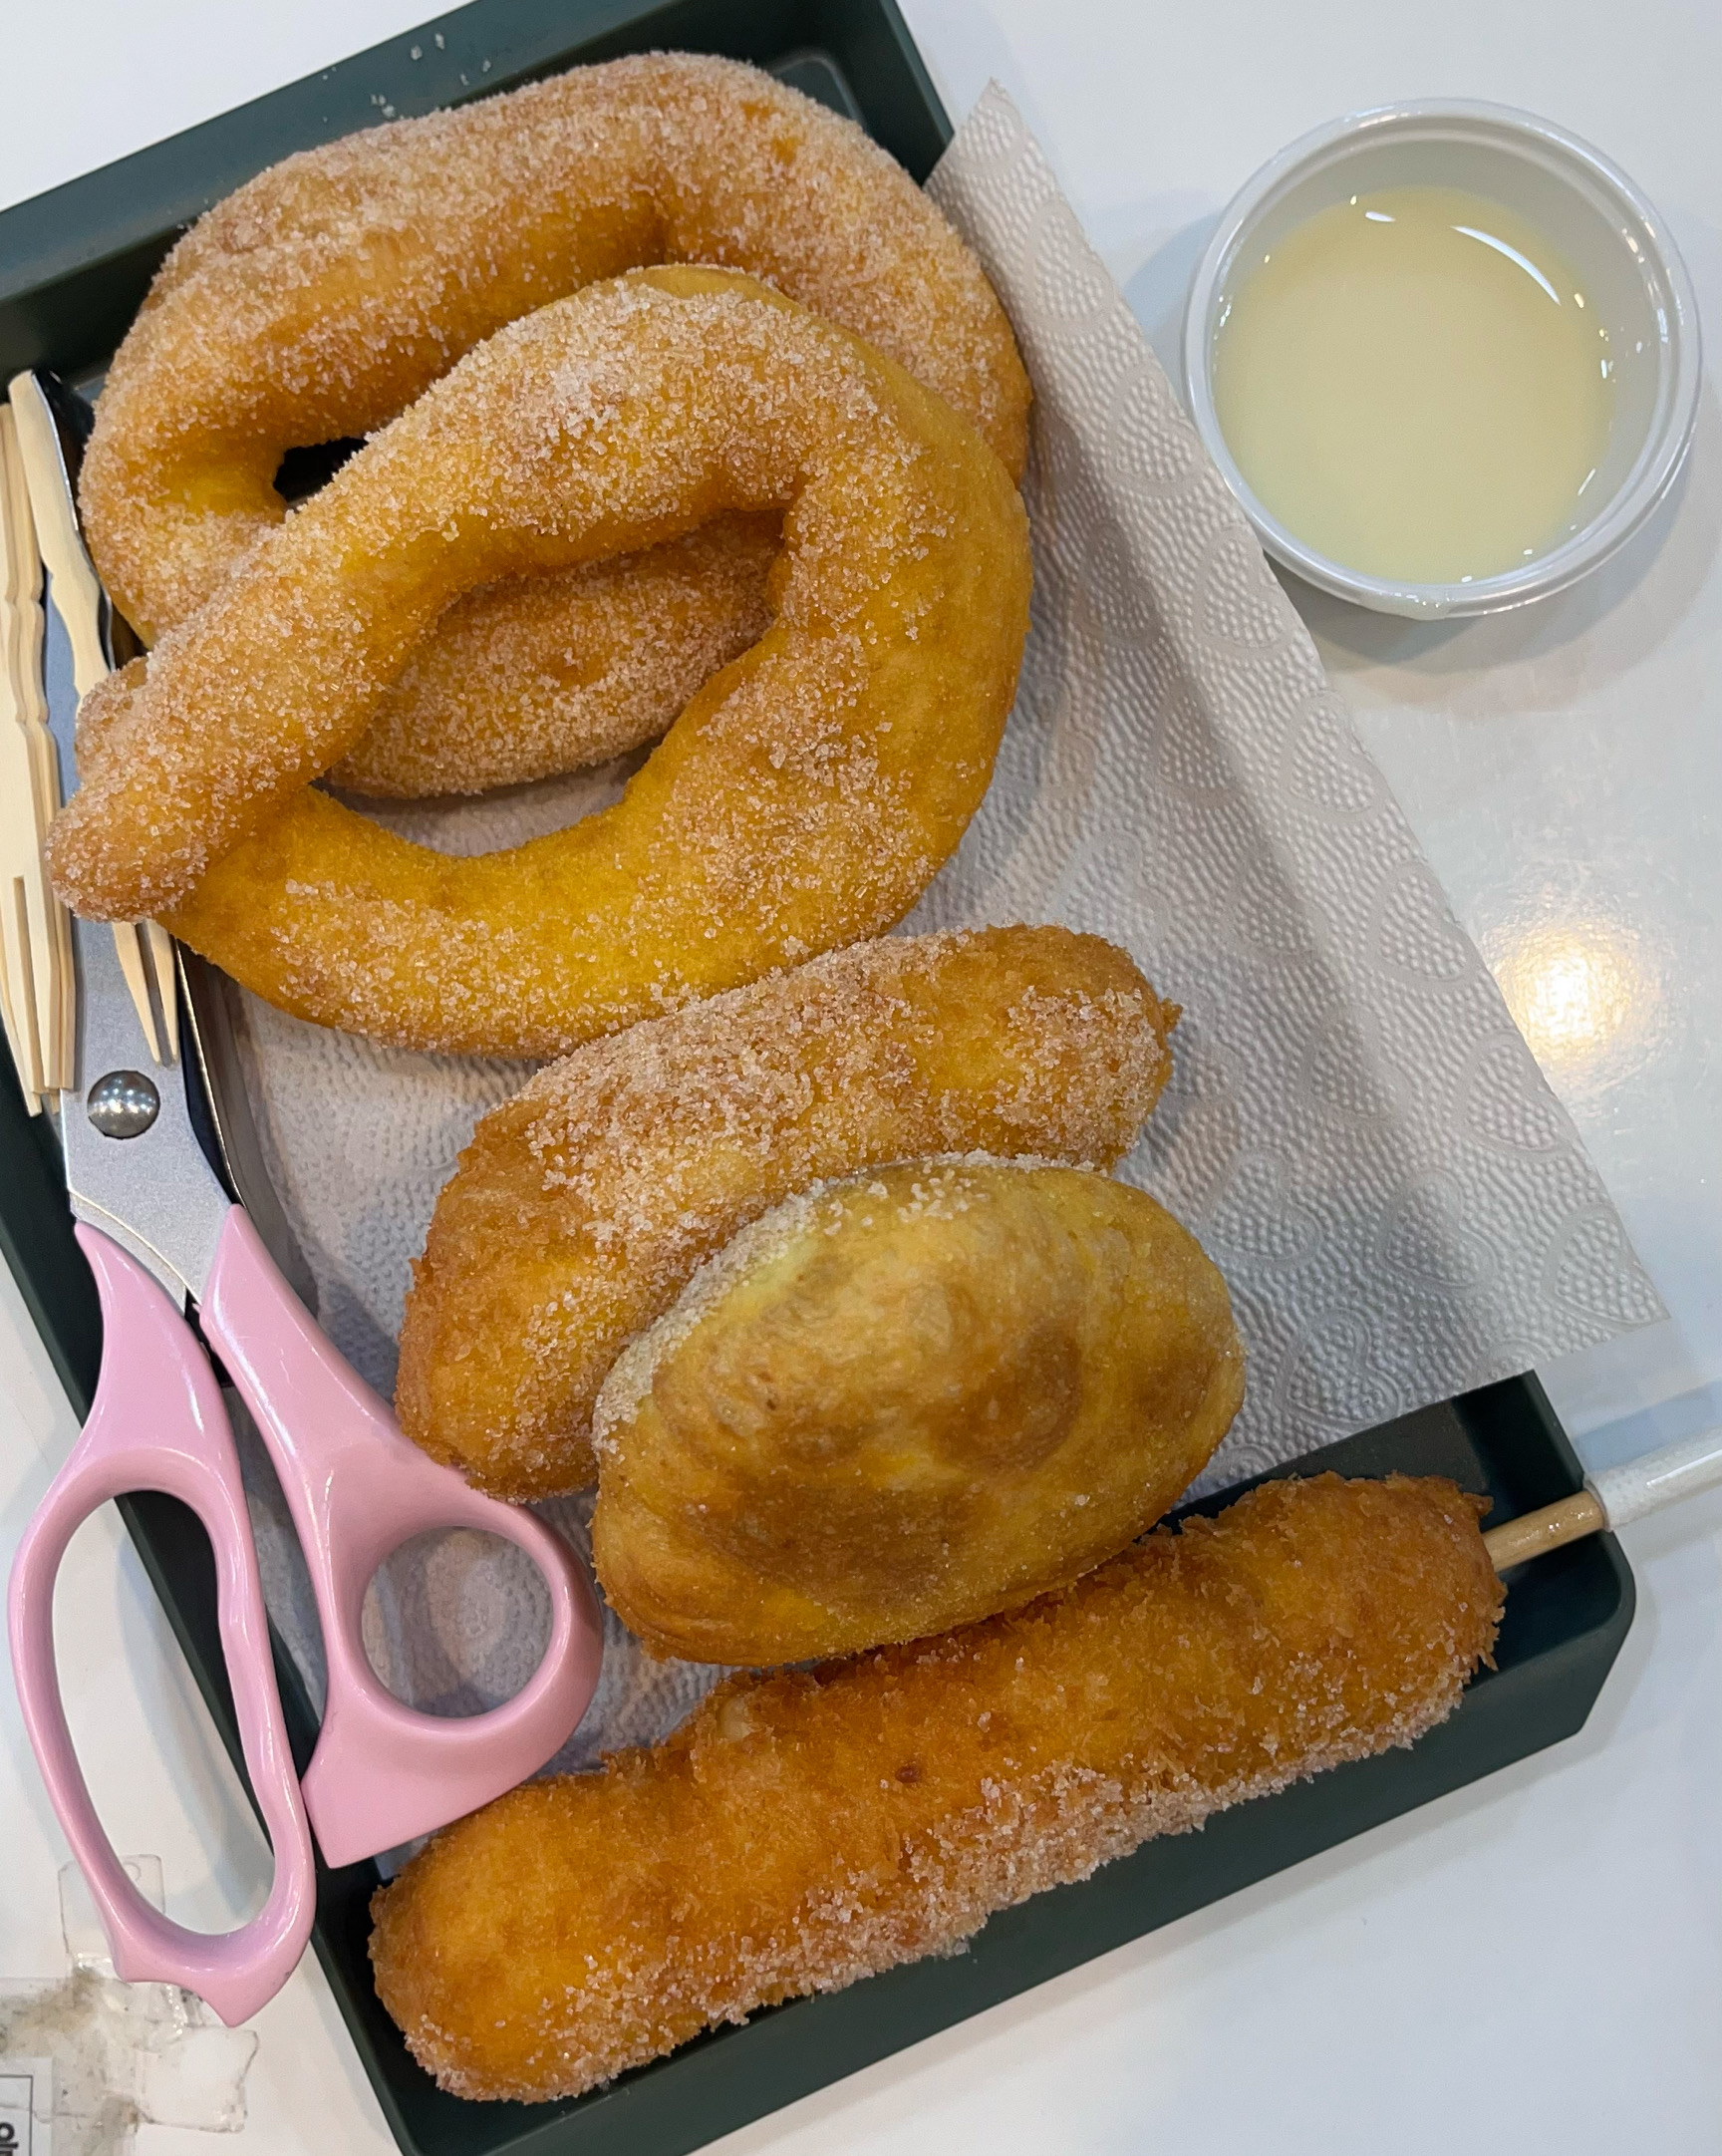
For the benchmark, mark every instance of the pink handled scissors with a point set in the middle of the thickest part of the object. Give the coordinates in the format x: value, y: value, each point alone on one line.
x: 161, y: 1233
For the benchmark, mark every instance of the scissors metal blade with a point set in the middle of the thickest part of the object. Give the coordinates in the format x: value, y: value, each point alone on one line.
x: 162, y: 1191
x: 212, y: 1023
x: 133, y: 1165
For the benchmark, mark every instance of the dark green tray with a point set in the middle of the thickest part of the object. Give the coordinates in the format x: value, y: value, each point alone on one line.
x: 76, y: 262
x: 73, y: 266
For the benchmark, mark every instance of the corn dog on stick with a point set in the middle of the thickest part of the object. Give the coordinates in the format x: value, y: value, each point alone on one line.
x: 804, y: 1829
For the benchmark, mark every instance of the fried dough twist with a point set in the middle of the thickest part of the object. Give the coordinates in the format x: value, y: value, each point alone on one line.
x: 328, y: 293
x: 805, y: 796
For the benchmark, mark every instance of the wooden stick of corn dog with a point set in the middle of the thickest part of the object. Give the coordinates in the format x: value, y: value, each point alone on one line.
x: 1610, y: 1499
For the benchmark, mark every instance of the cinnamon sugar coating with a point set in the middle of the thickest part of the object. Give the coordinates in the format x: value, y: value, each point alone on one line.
x: 538, y: 675
x: 323, y: 297
x: 544, y: 674
x: 806, y: 795
x: 806, y: 1829
x: 584, y: 1205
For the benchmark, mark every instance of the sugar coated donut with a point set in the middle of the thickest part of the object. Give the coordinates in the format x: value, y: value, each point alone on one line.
x: 583, y: 1205
x: 804, y: 798
x: 324, y: 296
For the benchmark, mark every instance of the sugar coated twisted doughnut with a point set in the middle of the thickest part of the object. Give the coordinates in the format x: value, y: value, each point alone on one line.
x: 319, y: 300
x: 804, y: 798
x: 544, y: 674
x: 583, y: 1205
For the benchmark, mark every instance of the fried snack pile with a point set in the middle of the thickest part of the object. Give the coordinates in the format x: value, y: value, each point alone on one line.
x: 905, y: 1402
x: 328, y: 293
x: 802, y: 1830
x: 805, y: 796
x: 757, y: 505
x: 584, y: 1205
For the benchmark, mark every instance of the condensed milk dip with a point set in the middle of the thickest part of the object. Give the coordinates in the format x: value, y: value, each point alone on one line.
x: 1412, y: 383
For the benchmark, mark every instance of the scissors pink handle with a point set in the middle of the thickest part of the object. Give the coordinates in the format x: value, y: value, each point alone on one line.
x: 383, y: 1772
x: 158, y: 1424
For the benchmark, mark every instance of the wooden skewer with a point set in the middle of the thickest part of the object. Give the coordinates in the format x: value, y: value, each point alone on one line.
x: 1610, y: 1499
x: 19, y: 1046
x: 55, y: 984
x: 145, y: 951
x: 17, y: 813
x: 1516, y: 1541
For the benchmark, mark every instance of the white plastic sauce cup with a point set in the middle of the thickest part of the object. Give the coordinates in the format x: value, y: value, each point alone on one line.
x: 1632, y: 275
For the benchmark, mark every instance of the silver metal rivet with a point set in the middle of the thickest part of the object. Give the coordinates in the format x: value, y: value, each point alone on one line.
x: 123, y: 1104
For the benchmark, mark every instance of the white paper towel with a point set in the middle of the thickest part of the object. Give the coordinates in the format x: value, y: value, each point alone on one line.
x: 1356, y: 1129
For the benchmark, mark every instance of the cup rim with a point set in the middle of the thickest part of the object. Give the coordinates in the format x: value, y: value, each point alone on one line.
x: 1653, y: 472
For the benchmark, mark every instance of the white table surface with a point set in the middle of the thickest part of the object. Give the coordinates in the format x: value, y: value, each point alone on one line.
x: 1538, y: 1960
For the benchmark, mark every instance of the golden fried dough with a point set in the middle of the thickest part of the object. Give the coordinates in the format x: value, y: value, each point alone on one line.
x: 324, y: 296
x: 904, y: 1403
x: 545, y: 674
x: 805, y: 796
x: 801, y: 1830
x: 583, y: 1205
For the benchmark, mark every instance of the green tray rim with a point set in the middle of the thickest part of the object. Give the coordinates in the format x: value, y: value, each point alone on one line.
x: 75, y: 261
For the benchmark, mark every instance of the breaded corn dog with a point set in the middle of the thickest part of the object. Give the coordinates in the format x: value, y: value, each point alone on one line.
x: 806, y: 1829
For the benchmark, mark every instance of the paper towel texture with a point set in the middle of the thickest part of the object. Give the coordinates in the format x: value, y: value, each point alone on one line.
x: 1356, y: 1130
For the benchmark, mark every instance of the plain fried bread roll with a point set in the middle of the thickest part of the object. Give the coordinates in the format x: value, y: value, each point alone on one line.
x: 906, y: 1401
